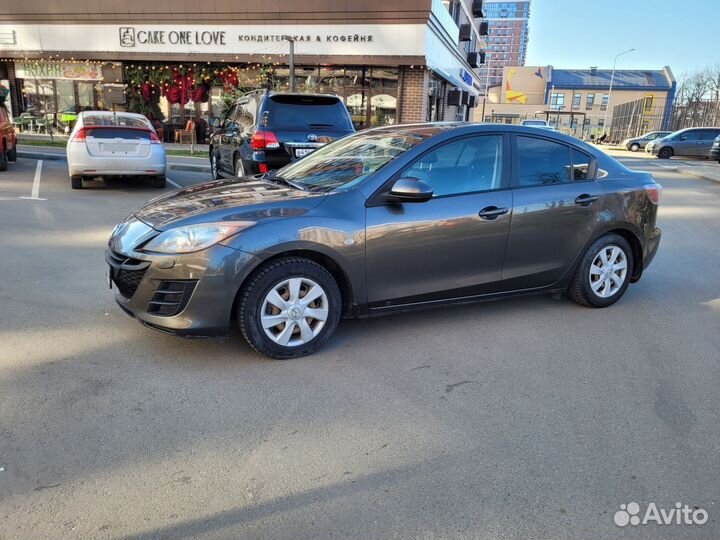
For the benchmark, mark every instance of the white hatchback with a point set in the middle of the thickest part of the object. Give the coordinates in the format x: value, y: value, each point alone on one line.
x: 106, y: 143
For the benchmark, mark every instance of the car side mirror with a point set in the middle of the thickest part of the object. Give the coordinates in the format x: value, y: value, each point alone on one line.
x: 215, y: 122
x: 409, y: 189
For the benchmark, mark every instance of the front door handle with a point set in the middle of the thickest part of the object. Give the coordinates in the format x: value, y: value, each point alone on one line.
x: 586, y: 200
x: 492, y: 212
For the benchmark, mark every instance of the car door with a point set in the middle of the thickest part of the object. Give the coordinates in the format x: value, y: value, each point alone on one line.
x: 229, y: 131
x: 686, y: 143
x: 452, y: 245
x: 556, y: 203
x: 705, y: 141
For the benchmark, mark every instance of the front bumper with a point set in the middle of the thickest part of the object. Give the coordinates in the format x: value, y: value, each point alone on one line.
x: 188, y: 295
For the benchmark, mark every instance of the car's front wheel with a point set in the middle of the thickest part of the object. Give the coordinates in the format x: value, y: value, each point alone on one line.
x: 289, y: 308
x: 214, y: 167
x: 634, y: 147
x: 665, y: 153
x: 604, y: 272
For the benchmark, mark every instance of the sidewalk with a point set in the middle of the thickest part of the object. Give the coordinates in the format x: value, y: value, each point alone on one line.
x: 58, y: 140
x: 197, y: 163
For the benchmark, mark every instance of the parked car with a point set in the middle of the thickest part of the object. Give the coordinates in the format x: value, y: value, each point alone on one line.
x: 389, y: 219
x: 686, y: 142
x: 534, y: 122
x: 265, y: 130
x: 8, y: 150
x: 715, y: 150
x: 636, y: 143
x: 105, y: 143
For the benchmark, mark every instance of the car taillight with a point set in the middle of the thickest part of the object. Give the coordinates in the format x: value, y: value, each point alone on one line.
x: 154, y: 139
x: 80, y: 135
x: 653, y: 192
x: 264, y: 139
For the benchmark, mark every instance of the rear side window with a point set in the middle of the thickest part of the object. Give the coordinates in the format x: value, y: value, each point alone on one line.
x: 582, y: 165
x: 117, y: 133
x: 312, y: 112
x: 542, y: 162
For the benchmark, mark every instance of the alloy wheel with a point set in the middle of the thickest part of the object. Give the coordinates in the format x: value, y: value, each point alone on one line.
x: 294, y: 311
x: 213, y: 166
x: 608, y: 271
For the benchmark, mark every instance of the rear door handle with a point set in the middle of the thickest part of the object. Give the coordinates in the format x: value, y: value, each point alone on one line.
x: 585, y: 199
x: 492, y: 212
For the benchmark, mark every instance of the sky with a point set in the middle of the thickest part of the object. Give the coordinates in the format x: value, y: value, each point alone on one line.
x: 684, y: 35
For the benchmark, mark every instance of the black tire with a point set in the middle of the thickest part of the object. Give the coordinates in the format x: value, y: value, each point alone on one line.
x: 268, y: 277
x: 634, y: 147
x: 3, y: 160
x: 665, y: 153
x: 581, y: 290
x: 76, y: 182
x: 239, y: 167
x: 12, y: 155
x: 159, y: 182
x: 215, y: 166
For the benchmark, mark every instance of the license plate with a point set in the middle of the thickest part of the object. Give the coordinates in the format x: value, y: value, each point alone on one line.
x: 300, y: 152
x: 108, y: 276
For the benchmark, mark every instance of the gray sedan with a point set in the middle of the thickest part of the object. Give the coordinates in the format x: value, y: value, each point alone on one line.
x: 634, y: 144
x: 390, y: 219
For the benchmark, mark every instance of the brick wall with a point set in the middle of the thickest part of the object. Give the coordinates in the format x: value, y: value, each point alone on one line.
x: 414, y: 94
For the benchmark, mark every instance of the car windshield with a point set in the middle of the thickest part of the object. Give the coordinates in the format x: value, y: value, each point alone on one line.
x: 346, y: 162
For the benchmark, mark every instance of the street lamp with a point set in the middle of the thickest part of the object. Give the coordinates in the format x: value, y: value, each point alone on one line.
x: 291, y: 40
x: 612, y: 79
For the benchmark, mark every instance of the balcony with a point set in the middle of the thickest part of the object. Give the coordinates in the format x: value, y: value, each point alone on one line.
x: 477, y: 10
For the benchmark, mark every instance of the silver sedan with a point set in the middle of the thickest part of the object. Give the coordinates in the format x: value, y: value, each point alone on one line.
x: 106, y: 143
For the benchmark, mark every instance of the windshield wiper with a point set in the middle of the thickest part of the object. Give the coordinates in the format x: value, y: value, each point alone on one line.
x: 273, y: 177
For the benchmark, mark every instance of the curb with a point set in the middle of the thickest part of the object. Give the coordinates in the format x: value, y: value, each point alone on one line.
x: 702, y: 176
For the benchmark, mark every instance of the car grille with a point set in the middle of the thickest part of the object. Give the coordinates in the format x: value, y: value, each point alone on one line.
x: 126, y: 272
x: 171, y: 297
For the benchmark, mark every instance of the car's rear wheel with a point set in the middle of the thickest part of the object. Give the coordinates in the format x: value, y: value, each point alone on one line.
x: 665, y: 153
x: 76, y: 182
x: 289, y: 308
x: 239, y: 167
x: 603, y: 275
x: 159, y: 181
x: 634, y: 147
x: 3, y: 160
x: 12, y: 155
x: 214, y: 167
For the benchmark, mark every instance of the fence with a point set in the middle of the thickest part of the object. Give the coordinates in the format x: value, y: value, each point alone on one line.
x: 634, y: 118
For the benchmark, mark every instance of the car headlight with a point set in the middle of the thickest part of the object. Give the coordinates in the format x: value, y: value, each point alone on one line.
x: 194, y: 237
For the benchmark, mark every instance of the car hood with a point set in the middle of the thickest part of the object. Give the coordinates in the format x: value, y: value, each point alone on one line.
x: 246, y: 199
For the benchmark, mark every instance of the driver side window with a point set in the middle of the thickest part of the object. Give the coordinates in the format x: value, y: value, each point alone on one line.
x: 229, y: 122
x: 461, y: 166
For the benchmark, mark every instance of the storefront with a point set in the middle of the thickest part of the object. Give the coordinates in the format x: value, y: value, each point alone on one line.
x: 385, y: 73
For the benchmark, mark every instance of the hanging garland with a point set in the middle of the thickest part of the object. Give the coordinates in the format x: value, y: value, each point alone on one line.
x: 179, y: 84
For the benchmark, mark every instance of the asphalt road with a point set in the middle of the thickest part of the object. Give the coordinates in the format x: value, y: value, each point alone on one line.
x: 526, y: 418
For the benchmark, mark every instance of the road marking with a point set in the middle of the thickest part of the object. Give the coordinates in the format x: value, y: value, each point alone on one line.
x: 172, y: 183
x: 34, y: 195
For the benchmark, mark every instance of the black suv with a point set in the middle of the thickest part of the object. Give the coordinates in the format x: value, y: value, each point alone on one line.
x: 265, y: 130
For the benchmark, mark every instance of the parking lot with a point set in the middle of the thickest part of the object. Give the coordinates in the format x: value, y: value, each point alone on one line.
x: 524, y: 418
